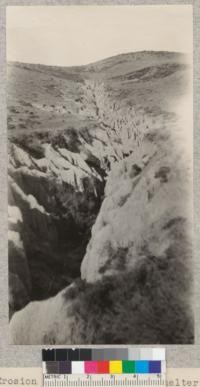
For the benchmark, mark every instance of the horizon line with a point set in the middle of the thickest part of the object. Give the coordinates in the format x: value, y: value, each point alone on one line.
x: 97, y: 61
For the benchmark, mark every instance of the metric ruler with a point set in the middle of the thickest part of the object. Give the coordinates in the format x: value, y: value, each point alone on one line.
x: 103, y: 367
x: 103, y: 380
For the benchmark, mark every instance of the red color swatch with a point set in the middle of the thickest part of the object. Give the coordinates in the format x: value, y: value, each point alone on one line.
x: 103, y: 367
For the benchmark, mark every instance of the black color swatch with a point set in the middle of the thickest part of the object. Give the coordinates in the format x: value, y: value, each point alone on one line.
x: 85, y: 354
x: 61, y: 354
x: 48, y: 355
x: 73, y: 354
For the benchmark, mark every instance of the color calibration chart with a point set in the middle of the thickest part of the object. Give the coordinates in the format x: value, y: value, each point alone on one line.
x: 83, y: 367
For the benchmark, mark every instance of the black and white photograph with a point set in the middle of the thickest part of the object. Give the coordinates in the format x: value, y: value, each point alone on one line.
x: 100, y: 213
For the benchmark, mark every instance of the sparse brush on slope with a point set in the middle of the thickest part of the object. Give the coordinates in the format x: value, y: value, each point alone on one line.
x: 141, y: 306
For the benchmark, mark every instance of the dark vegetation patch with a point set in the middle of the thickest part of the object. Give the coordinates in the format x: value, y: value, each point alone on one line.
x: 174, y: 221
x: 152, y: 72
x: 31, y: 144
x: 116, y: 261
x: 142, y: 306
x: 68, y: 139
x: 162, y: 174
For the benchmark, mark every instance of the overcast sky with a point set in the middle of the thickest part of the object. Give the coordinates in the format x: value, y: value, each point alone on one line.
x: 76, y: 35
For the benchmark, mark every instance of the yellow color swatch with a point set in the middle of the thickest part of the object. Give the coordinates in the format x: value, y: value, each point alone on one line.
x: 115, y: 367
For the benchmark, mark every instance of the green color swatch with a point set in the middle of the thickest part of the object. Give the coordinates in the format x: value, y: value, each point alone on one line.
x: 128, y: 367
